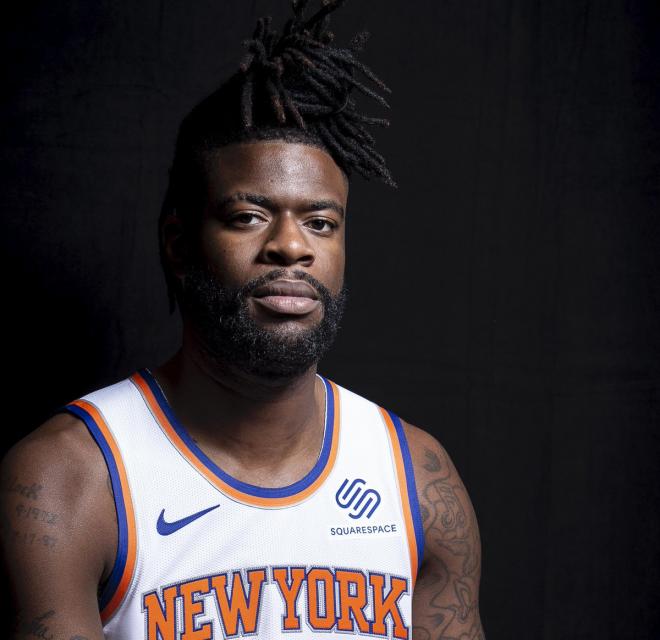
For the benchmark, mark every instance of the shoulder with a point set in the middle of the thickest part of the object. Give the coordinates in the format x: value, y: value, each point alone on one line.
x: 448, y: 517
x: 446, y: 592
x: 58, y: 528
x: 429, y: 457
x: 55, y: 494
x: 446, y: 599
x: 59, y: 451
x: 432, y: 465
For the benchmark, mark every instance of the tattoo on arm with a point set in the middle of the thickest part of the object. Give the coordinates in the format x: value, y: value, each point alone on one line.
x: 28, y: 512
x: 29, y: 529
x: 38, y: 626
x: 448, y: 585
x: 30, y: 491
x: 17, y: 520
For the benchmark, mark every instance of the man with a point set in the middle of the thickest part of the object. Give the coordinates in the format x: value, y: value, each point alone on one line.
x: 233, y: 490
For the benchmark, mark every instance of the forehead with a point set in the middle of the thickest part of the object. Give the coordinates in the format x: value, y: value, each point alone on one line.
x: 276, y: 169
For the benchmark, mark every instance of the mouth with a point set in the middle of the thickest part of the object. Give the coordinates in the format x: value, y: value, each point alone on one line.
x: 288, y: 297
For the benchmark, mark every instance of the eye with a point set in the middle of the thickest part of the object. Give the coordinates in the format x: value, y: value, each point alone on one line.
x: 246, y: 219
x: 322, y: 224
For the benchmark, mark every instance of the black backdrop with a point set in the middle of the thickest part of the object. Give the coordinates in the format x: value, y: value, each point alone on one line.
x: 506, y: 297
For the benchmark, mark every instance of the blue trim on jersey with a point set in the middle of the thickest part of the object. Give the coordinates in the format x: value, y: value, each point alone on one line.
x: 412, y: 488
x: 112, y: 582
x: 251, y: 489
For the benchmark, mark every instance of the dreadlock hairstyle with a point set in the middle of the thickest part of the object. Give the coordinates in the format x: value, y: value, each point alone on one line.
x: 294, y: 86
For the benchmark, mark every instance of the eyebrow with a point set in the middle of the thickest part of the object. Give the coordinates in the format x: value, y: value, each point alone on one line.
x: 268, y: 203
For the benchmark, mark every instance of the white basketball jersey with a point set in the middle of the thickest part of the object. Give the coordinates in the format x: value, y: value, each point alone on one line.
x: 202, y: 555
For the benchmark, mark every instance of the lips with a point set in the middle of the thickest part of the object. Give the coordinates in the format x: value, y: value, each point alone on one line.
x: 290, y: 297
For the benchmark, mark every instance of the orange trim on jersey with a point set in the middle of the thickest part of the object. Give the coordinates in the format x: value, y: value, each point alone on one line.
x: 129, y: 566
x: 403, y: 492
x: 218, y: 482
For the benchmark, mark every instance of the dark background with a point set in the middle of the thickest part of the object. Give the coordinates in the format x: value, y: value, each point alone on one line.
x: 506, y: 297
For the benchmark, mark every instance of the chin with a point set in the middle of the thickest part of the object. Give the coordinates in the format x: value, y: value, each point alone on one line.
x: 288, y: 325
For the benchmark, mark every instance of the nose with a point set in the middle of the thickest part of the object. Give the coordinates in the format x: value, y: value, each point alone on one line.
x: 286, y: 243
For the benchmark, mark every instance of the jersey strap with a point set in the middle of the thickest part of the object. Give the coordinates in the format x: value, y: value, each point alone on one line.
x: 407, y: 488
x: 121, y: 576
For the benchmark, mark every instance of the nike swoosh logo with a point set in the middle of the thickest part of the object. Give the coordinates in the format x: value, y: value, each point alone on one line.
x: 168, y: 528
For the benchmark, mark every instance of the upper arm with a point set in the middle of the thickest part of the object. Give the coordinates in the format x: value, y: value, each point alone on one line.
x: 446, y: 595
x: 56, y: 532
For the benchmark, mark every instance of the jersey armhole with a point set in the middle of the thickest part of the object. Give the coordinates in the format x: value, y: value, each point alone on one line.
x: 407, y: 488
x: 113, y: 590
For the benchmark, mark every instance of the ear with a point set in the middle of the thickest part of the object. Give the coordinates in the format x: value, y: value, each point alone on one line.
x: 174, y: 244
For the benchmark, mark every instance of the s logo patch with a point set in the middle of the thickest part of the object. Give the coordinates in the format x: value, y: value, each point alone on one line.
x: 358, y: 499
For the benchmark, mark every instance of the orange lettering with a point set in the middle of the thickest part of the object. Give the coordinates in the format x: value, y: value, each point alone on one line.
x: 161, y: 618
x: 352, y: 603
x: 316, y: 620
x: 290, y: 594
x: 239, y: 608
x: 192, y: 608
x: 388, y: 605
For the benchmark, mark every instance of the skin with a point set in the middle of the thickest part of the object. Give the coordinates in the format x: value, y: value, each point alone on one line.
x: 59, y: 530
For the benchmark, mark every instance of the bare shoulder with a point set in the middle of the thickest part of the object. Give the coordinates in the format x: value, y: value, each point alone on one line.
x: 429, y: 456
x: 58, y: 529
x: 446, y: 597
x: 56, y: 471
x: 60, y: 451
x: 58, y: 462
x: 446, y: 509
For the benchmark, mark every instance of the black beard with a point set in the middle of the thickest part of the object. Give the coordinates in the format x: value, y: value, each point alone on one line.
x: 231, y: 337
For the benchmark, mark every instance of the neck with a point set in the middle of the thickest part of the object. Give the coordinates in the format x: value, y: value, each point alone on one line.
x: 247, y: 423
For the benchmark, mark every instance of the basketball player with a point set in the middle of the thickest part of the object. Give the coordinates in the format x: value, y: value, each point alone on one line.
x: 233, y: 490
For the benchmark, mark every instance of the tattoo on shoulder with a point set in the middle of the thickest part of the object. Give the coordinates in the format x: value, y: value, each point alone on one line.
x: 447, y: 604
x: 446, y: 519
x: 30, y: 491
x: 432, y: 462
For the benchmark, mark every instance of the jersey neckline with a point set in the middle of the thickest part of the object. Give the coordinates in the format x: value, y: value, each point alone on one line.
x: 241, y: 491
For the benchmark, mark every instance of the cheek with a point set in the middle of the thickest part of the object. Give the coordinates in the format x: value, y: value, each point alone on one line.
x: 333, y: 267
x: 229, y: 260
